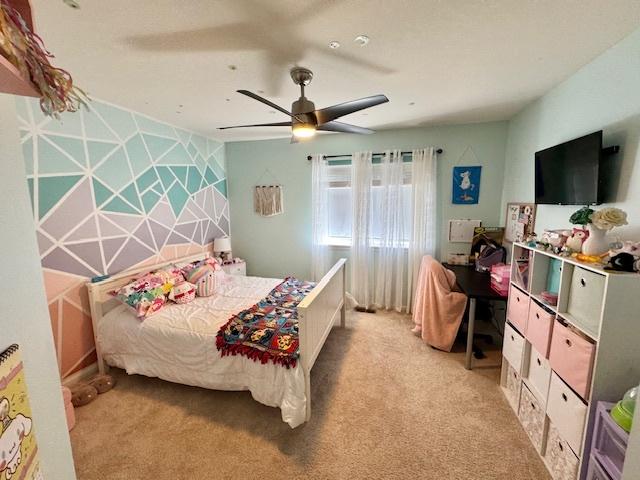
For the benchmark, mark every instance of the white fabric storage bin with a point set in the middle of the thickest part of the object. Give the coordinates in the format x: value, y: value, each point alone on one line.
x: 566, y: 411
x: 560, y: 459
x: 585, y: 299
x: 539, y: 375
x: 532, y: 417
x: 513, y: 347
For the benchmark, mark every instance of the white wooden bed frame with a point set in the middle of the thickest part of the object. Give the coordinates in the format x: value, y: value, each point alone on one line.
x: 317, y: 313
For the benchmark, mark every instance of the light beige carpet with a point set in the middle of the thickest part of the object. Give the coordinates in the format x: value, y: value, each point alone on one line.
x: 385, y: 406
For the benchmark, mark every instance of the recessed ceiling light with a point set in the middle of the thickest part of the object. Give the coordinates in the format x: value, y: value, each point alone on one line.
x: 334, y: 44
x: 361, y: 40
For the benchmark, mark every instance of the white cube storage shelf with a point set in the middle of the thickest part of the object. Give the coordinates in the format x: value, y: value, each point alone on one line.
x: 559, y: 361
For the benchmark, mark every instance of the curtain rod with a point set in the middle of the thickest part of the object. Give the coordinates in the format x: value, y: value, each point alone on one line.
x: 438, y: 151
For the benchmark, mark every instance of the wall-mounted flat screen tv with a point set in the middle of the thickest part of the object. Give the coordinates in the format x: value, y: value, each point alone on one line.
x: 570, y: 173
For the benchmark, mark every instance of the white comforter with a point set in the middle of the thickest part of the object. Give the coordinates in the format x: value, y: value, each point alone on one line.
x: 178, y: 344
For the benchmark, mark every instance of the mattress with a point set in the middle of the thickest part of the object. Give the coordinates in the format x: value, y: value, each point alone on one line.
x: 178, y: 344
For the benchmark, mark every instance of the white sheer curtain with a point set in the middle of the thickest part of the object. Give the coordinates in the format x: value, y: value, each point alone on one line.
x: 388, y: 206
x: 319, y: 217
x: 361, y: 253
x: 423, y: 205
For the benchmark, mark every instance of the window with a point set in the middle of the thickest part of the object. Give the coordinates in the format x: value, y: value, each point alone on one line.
x: 339, y: 201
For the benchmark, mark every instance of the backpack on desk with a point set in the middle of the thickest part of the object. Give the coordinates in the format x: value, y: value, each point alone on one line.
x: 491, y: 254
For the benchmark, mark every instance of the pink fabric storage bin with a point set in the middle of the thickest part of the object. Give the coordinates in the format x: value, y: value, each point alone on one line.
x: 518, y: 309
x: 68, y: 408
x: 71, y: 416
x: 500, y: 274
x: 539, y: 325
x: 571, y: 357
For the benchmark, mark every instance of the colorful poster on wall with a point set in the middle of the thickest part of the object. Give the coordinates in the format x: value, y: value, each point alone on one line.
x: 18, y: 448
x: 466, y: 185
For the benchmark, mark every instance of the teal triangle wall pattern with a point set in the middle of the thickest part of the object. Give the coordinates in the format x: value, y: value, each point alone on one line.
x: 137, y: 169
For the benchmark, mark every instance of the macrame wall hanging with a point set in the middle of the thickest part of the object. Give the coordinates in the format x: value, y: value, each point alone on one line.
x: 267, y: 199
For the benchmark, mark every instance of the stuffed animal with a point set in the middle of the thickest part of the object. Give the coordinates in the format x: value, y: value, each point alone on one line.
x: 203, y: 278
x: 632, y: 248
x: 555, y: 238
x: 102, y: 383
x: 577, y: 238
x: 82, y: 394
x: 183, y: 292
x: 624, y: 257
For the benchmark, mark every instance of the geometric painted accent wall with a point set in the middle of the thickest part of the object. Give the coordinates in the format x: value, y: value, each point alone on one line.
x: 111, y: 189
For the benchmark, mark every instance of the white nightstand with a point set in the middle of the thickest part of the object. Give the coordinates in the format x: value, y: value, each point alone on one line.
x: 239, y: 268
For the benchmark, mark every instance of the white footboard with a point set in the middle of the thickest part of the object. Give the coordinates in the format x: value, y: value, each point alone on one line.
x: 317, y: 314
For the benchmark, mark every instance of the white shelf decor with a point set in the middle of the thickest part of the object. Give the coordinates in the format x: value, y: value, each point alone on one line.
x: 590, y: 354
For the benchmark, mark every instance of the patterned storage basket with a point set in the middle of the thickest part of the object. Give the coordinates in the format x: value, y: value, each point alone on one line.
x: 562, y: 462
x: 513, y: 386
x: 531, y: 417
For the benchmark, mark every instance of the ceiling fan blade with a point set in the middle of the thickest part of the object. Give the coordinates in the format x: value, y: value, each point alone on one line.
x: 344, y: 128
x: 276, y: 124
x: 336, y: 111
x: 265, y: 101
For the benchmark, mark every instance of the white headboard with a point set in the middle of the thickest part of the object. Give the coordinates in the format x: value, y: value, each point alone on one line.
x: 101, y: 302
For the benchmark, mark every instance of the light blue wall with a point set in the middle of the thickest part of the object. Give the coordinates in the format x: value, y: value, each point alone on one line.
x: 281, y: 245
x: 604, y: 94
x: 25, y: 318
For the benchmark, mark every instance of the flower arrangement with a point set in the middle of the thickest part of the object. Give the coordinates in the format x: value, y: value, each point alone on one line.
x: 604, y: 219
x: 582, y: 216
x: 608, y: 218
x: 591, y: 238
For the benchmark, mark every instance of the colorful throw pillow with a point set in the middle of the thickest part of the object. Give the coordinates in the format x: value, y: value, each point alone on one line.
x: 146, y: 294
x: 170, y: 274
x: 204, y: 278
x: 183, y: 292
x: 212, y: 262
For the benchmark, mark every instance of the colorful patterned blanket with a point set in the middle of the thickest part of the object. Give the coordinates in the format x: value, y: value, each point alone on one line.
x: 269, y: 329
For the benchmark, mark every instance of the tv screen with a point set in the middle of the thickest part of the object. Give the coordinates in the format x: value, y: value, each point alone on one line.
x: 568, y: 174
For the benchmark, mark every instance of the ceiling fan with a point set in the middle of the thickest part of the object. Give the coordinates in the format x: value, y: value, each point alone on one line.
x: 305, y: 119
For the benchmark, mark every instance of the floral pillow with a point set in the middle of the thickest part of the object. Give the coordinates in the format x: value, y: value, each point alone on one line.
x: 148, y: 293
x: 171, y: 274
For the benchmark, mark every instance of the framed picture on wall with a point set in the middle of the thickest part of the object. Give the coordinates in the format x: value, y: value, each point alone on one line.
x: 520, y: 222
x: 466, y: 185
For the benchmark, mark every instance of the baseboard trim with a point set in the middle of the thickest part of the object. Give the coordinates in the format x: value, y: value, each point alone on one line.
x: 81, y: 375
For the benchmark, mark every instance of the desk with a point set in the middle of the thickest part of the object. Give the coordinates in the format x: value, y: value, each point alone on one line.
x: 475, y: 285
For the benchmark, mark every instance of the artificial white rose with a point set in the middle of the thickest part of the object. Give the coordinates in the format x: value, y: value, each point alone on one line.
x: 608, y: 218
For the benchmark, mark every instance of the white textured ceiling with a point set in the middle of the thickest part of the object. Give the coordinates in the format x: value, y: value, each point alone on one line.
x: 458, y: 60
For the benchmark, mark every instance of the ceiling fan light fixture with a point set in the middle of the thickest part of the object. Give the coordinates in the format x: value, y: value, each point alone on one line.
x: 304, y: 130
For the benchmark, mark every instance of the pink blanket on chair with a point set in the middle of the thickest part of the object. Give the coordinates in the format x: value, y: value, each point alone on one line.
x: 438, y: 308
